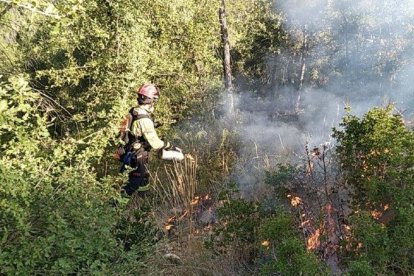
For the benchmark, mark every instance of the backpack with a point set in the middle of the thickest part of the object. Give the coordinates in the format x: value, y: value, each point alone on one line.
x: 130, y: 143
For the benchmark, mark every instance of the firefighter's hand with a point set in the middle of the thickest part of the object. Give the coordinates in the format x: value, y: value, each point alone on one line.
x: 167, y: 146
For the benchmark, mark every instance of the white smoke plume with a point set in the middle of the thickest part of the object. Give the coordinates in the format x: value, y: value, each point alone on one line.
x: 371, y: 64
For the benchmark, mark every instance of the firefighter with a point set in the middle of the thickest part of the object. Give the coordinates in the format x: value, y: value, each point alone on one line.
x: 139, y: 137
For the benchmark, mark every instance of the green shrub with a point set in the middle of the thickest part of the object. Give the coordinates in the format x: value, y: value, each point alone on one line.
x: 293, y: 259
x: 278, y: 228
x: 285, y: 253
x: 242, y: 218
x: 56, y: 216
x: 376, y: 154
x: 360, y: 268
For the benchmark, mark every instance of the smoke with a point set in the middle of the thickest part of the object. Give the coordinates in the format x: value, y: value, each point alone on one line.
x: 360, y: 39
x: 364, y: 51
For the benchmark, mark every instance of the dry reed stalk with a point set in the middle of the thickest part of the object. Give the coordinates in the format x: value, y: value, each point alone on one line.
x: 180, y: 184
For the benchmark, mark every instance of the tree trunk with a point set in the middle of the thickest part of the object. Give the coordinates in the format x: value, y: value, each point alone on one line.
x: 226, y: 58
x: 302, y: 66
x: 303, y: 57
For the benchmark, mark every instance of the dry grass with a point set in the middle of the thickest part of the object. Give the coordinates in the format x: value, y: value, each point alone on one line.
x: 176, y: 191
x: 180, y: 185
x: 195, y: 259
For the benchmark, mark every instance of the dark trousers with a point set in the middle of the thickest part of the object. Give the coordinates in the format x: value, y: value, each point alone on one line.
x: 138, y: 179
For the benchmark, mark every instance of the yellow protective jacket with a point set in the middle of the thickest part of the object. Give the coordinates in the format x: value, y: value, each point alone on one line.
x: 144, y: 127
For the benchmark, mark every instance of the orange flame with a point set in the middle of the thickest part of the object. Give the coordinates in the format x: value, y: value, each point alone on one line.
x: 376, y: 214
x: 168, y: 227
x: 305, y: 223
x: 295, y: 200
x: 195, y: 201
x: 314, y: 240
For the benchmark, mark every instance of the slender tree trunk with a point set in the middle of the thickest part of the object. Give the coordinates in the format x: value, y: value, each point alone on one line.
x: 302, y: 66
x: 226, y: 58
x: 303, y: 57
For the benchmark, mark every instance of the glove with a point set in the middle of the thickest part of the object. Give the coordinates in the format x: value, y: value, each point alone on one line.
x: 167, y: 146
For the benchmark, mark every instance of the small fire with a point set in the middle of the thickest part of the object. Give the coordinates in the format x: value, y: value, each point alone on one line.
x: 305, y: 223
x: 309, y: 168
x: 347, y: 228
x: 314, y: 240
x: 170, y: 223
x: 199, y: 199
x: 196, y: 204
x: 172, y: 219
x: 168, y: 227
x: 376, y: 214
x: 294, y: 200
x: 266, y: 243
x: 195, y: 201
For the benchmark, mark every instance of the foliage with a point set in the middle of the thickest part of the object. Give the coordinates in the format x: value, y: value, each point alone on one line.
x: 236, y: 234
x: 215, y: 146
x: 68, y: 74
x: 376, y: 153
x: 241, y: 218
x: 280, y: 178
x: 293, y: 259
x: 258, y: 35
x: 269, y: 239
x: 360, y: 268
x: 284, y: 251
x: 56, y: 217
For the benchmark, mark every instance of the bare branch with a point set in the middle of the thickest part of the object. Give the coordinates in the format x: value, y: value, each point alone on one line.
x: 54, y: 101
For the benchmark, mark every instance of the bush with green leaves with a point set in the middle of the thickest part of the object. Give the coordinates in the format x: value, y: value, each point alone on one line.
x: 237, y: 231
x: 57, y: 216
x: 266, y: 239
x: 360, y: 268
x: 283, y: 251
x: 377, y: 158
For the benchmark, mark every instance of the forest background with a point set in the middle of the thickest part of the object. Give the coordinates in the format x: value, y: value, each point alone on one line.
x: 278, y: 191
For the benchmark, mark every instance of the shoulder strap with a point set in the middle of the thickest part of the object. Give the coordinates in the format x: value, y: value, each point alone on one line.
x: 136, y: 116
x: 133, y: 116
